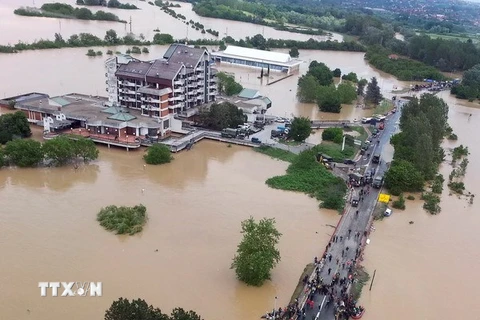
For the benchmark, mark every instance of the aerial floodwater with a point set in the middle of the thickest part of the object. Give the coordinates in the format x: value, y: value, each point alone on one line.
x: 48, y: 232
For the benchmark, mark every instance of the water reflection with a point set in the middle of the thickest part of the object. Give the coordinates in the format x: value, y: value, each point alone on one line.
x: 55, y: 179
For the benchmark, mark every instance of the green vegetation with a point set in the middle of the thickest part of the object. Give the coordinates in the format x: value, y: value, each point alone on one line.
x: 64, y: 149
x: 361, y: 86
x: 333, y: 134
x: 334, y: 150
x: 220, y: 116
x: 110, y: 4
x: 317, y: 85
x: 373, y: 95
x: 379, y: 211
x: 307, y: 271
x: 257, y: 254
x: 75, y: 41
x: 122, y: 309
x: 227, y: 84
x: 352, y: 77
x: 300, y: 129
x: 66, y: 11
x: 162, y: 38
x: 432, y: 202
x: 145, y: 50
x: 277, y: 153
x: 384, y: 107
x: 92, y: 53
x: 336, y: 73
x: 459, y: 152
x: 417, y: 148
x: 361, y: 278
x: 399, y: 203
x: 306, y: 175
x: 402, y: 68
x: 109, y: 52
x: 158, y: 154
x: 457, y: 187
x: 14, y: 125
x: 136, y: 50
x: 469, y: 88
x: 410, y: 197
x: 23, y: 153
x: 294, y: 52
x: 437, y: 185
x: 123, y: 219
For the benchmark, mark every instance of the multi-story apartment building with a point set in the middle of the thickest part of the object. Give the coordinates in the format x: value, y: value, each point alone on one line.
x: 161, y: 88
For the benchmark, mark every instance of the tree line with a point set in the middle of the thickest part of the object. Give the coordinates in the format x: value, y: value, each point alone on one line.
x: 469, y: 88
x: 418, y: 150
x: 62, y: 10
x: 110, y: 4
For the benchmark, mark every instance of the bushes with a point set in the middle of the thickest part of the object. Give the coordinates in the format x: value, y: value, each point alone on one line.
x: 277, y: 153
x: 437, y: 186
x: 14, y: 125
x: 306, y: 175
x: 158, y: 154
x: 335, y: 151
x: 123, y: 219
x: 399, y: 203
x: 24, y: 153
x: 332, y: 134
x: 61, y: 10
x: 431, y: 202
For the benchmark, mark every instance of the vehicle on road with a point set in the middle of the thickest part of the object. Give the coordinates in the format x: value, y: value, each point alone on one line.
x: 256, y: 140
x: 381, y: 126
x: 229, y: 133
x: 276, y: 134
x: 355, y: 201
x: 388, y: 212
x: 376, y: 158
x: 377, y: 182
x: 366, y: 120
x: 348, y: 161
x: 380, y: 118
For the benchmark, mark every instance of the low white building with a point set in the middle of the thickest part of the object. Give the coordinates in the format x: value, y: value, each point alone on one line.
x: 275, y: 61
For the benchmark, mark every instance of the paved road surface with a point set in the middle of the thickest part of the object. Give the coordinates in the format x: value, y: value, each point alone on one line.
x: 350, y: 226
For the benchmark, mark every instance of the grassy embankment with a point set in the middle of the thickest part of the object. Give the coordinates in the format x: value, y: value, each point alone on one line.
x: 361, y: 278
x: 299, y: 288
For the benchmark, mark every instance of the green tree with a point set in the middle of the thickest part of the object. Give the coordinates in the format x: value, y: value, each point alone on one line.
x: 11, y: 104
x: 321, y: 72
x: 257, y: 254
x: 373, y: 92
x: 294, y: 52
x: 163, y: 38
x: 85, y: 148
x: 59, y: 149
x: 180, y: 314
x: 403, y: 177
x: 111, y: 37
x: 2, y: 157
x: 300, y: 129
x: 123, y: 309
x: 14, y: 125
x: 221, y: 115
x: 361, y: 86
x: 158, y: 154
x: 337, y: 73
x: 328, y: 100
x: 352, y: 77
x: 332, y: 134
x: 24, y: 152
x: 307, y: 88
x: 346, y: 92
x: 227, y: 84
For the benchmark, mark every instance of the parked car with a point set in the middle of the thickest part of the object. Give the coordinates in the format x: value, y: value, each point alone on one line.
x: 366, y: 120
x: 256, y: 140
x: 388, y: 212
x: 280, y: 120
x: 348, y: 161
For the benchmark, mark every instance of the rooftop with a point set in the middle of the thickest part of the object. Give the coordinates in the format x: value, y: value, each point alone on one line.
x: 276, y: 57
x: 89, y: 109
x: 135, y: 69
x: 249, y: 93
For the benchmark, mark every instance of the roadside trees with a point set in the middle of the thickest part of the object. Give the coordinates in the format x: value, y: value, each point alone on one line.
x: 328, y: 100
x: 300, y: 129
x: 373, y: 92
x: 257, y: 254
x: 221, y: 115
x: 14, y: 125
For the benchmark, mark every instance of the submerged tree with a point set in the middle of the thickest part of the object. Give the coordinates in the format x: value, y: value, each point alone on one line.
x: 257, y: 254
x: 300, y: 129
x: 373, y: 92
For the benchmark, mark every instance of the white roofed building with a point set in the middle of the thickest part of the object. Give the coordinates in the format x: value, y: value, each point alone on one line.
x: 254, y: 58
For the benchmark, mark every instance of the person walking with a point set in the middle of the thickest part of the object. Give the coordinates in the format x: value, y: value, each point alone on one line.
x: 329, y: 270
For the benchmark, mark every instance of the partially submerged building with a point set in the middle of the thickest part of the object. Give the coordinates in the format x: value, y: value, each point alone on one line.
x: 248, y: 57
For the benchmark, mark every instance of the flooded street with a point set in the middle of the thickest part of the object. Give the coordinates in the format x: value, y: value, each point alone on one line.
x: 48, y: 230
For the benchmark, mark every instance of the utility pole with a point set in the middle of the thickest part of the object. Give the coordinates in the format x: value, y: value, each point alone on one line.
x: 130, y: 24
x: 343, y: 143
x: 373, y: 278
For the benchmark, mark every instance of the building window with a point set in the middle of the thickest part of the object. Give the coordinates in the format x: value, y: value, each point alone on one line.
x: 166, y: 124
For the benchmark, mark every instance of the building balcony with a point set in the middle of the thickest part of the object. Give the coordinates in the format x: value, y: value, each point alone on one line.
x: 150, y: 107
x: 179, y: 98
x: 178, y: 90
x: 126, y: 83
x: 179, y: 82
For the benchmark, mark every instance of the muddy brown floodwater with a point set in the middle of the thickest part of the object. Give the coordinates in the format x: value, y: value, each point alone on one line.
x: 48, y: 231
